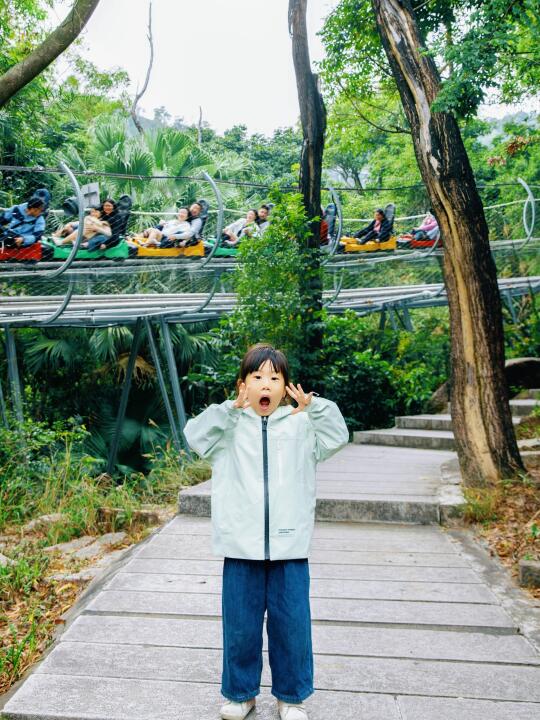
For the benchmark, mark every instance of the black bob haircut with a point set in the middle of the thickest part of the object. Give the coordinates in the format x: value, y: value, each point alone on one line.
x: 257, y: 355
x: 35, y: 202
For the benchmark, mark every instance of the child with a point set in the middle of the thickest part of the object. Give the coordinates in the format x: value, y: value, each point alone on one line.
x: 264, y: 454
x: 93, y: 225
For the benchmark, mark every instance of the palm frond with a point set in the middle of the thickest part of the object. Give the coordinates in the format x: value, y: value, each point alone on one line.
x: 107, y: 343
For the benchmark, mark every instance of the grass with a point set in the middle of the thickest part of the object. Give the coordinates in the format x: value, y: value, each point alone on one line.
x: 529, y: 427
x: 43, y: 471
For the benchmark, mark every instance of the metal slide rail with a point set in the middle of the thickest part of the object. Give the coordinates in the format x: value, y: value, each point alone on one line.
x: 199, y: 303
x: 189, y: 307
x: 528, y: 207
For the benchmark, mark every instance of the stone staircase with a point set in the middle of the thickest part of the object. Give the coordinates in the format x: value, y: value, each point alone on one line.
x: 434, y: 432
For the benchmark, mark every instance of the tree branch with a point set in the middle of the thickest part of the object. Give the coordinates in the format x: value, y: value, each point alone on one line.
x: 18, y: 76
x: 199, y: 127
x: 397, y: 129
x: 139, y: 95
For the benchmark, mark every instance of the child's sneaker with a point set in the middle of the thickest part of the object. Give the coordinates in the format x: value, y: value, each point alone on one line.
x: 236, y: 711
x: 292, y: 711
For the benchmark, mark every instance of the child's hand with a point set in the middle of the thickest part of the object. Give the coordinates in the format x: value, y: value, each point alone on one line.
x: 242, y: 401
x: 300, y: 396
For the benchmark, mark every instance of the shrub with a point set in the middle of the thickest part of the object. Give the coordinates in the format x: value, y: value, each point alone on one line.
x: 267, y: 282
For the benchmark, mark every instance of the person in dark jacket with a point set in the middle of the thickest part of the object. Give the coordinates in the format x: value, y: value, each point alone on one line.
x: 24, y: 224
x: 110, y: 214
x: 378, y: 230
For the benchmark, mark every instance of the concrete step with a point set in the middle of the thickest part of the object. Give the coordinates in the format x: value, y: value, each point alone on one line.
x: 531, y: 394
x: 521, y: 407
x: 430, y: 422
x: 410, y: 438
x: 352, y: 506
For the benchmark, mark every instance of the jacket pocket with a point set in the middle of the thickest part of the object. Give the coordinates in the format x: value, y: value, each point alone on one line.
x: 290, y: 460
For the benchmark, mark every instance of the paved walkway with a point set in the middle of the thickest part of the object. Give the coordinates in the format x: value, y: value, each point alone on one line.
x: 410, y: 621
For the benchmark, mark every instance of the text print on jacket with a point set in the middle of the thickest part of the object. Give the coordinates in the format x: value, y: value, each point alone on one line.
x: 263, y: 475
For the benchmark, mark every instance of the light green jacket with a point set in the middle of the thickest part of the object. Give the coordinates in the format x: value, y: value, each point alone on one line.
x: 263, y: 475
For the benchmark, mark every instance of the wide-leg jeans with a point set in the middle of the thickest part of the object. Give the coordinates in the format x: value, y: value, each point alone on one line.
x: 281, y: 588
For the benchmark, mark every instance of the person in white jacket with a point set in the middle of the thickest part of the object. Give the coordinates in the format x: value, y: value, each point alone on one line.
x: 264, y: 454
x: 238, y: 230
x: 170, y: 232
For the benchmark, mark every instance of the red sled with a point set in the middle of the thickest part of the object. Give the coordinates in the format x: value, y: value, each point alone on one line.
x: 423, y: 243
x: 31, y: 252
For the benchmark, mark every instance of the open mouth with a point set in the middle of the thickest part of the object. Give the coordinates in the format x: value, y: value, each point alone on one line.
x: 264, y: 402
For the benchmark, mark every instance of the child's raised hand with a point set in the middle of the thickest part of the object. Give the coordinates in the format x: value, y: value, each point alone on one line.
x: 242, y: 401
x: 300, y: 396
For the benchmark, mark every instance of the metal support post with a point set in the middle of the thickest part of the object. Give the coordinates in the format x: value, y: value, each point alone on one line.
x: 3, y: 409
x: 382, y: 321
x: 407, y: 322
x: 175, y: 383
x: 507, y: 295
x: 161, y: 380
x: 113, y: 452
x: 13, y: 375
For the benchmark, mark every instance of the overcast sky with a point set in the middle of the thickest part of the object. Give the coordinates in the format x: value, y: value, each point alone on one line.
x: 232, y: 57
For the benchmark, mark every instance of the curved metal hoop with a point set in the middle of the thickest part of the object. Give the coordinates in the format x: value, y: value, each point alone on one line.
x: 337, y: 232
x: 219, y: 224
x: 529, y: 203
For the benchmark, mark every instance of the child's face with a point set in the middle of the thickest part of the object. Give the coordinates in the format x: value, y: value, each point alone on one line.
x: 266, y: 389
x: 94, y: 212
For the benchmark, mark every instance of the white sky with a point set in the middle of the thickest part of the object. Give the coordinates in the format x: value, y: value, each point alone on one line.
x: 232, y: 57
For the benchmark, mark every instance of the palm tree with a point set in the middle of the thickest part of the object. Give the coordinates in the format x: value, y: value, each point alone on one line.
x: 78, y: 373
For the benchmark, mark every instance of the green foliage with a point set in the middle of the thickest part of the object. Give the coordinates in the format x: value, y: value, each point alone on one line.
x: 481, y: 504
x: 523, y: 338
x: 78, y: 373
x: 45, y: 115
x: 498, y: 48
x: 267, y: 281
x: 45, y: 469
x: 374, y: 375
x: 271, y: 159
x: 485, y: 45
x: 20, y: 577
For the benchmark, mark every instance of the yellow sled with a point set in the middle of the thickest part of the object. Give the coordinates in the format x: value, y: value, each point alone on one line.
x: 155, y: 252
x: 351, y: 245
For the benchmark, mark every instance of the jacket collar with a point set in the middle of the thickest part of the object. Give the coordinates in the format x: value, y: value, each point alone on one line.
x: 280, y: 412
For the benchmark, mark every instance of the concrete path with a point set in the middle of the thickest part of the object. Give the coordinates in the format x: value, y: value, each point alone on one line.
x: 370, y: 483
x: 410, y: 622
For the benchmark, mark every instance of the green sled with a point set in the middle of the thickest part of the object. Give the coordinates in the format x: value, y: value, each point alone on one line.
x: 118, y: 252
x: 223, y: 251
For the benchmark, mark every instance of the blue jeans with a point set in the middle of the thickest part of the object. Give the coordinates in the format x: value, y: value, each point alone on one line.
x: 281, y: 587
x: 96, y: 241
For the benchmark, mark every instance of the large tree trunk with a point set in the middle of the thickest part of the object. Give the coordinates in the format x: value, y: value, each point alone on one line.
x: 313, y: 119
x: 483, y: 429
x: 41, y: 57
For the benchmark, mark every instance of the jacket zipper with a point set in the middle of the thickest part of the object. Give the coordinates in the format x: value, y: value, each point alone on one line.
x: 266, y: 495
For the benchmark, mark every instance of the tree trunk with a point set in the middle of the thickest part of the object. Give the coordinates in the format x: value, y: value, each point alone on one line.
x: 313, y: 119
x: 483, y: 429
x: 41, y: 57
